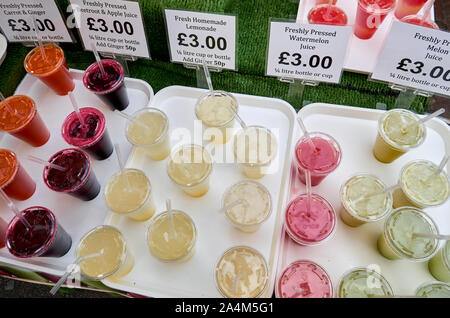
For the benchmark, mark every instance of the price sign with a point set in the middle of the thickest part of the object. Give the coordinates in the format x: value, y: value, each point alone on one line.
x: 17, y: 21
x: 307, y: 52
x: 194, y: 36
x: 115, y: 26
x: 416, y: 57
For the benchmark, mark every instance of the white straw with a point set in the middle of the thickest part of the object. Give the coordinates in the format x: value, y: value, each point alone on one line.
x: 76, y: 108
x: 45, y: 163
x: 170, y: 217
x: 207, y: 75
x: 14, y: 209
x: 431, y: 116
x: 98, y: 59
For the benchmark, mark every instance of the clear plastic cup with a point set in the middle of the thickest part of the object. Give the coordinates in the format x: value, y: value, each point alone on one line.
x: 439, y: 264
x: 420, y: 188
x: 129, y: 193
x: 357, y: 210
x: 152, y: 135
x: 172, y: 247
x: 255, y: 209
x: 304, y: 279
x: 212, y: 109
x: 116, y: 260
x: 433, y: 290
x: 394, y: 138
x: 408, y: 7
x: 243, y: 268
x: 370, y: 15
x: 190, y: 167
x: 397, y: 241
x: 254, y: 149
x: 361, y: 282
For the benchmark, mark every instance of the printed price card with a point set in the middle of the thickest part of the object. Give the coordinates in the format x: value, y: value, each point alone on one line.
x: 416, y: 57
x: 20, y: 18
x: 307, y: 52
x: 194, y: 36
x: 115, y: 26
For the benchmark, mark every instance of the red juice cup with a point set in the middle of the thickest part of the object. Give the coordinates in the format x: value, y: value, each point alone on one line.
x: 313, y: 227
x: 51, y: 69
x: 408, y: 7
x: 329, y: 15
x: 14, y: 180
x: 19, y: 117
x: 46, y: 238
x: 320, y: 161
x: 369, y: 16
x: 77, y: 180
x: 304, y: 279
x: 93, y: 137
x: 414, y: 19
x: 111, y: 88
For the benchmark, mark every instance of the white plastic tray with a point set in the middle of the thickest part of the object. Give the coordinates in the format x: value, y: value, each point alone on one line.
x: 362, y: 55
x: 195, y: 278
x: 76, y: 216
x: 356, y: 129
x: 3, y: 47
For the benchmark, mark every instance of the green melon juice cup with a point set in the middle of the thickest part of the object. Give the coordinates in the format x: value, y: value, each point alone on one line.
x: 433, y: 290
x: 397, y: 240
x: 363, y: 201
x: 439, y: 264
x: 399, y: 131
x: 420, y: 187
x: 361, y: 282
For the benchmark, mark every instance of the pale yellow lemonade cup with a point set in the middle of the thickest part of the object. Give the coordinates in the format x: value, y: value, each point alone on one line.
x: 214, y: 110
x: 397, y: 240
x: 420, y: 187
x: 255, y: 208
x: 150, y: 132
x: 129, y: 193
x: 250, y: 267
x: 167, y: 245
x: 399, y: 130
x: 433, y: 290
x: 439, y: 264
x: 190, y: 167
x: 116, y: 259
x: 255, y: 147
x: 361, y: 282
x: 363, y: 201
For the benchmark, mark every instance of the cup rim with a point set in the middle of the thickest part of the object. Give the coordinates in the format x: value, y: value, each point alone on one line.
x: 433, y: 282
x: 116, y: 85
x: 34, y: 50
x: 31, y: 116
x: 143, y: 111
x: 367, y: 8
x: 363, y: 269
x: 210, y: 93
x: 16, y: 169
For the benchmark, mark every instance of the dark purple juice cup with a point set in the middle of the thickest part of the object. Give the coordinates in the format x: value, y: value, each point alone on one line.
x: 46, y: 237
x: 77, y: 180
x: 93, y: 137
x: 110, y: 88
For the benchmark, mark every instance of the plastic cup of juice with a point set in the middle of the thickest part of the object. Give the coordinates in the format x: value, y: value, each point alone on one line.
x: 399, y: 131
x: 150, y: 132
x: 414, y: 19
x: 93, y: 137
x: 214, y: 110
x: 51, y: 69
x: 129, y: 193
x: 369, y: 16
x: 254, y: 149
x: 169, y: 244
x: 78, y: 180
x: 313, y: 227
x: 433, y: 290
x: 361, y: 282
x: 46, y: 238
x: 397, y: 240
x: 111, y: 88
x: 241, y: 272
x: 328, y: 15
x: 116, y: 259
x: 320, y: 161
x: 190, y: 167
x: 408, y: 7
x: 14, y: 180
x: 420, y: 187
x: 24, y: 121
x: 362, y: 200
x: 255, y: 209
x: 439, y: 264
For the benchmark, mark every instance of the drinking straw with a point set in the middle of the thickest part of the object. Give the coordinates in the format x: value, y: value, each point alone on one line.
x: 45, y: 163
x: 207, y: 75
x: 170, y: 216
x: 431, y: 116
x: 235, y: 283
x: 327, y: 13
x: 15, y: 210
x: 3, y: 100
x: 239, y: 119
x: 128, y: 117
x: 122, y: 166
x: 40, y: 44
x: 305, y: 132
x: 77, y: 109
x: 98, y: 59
x: 233, y: 204
x: 432, y: 236
x: 308, y: 191
x: 442, y: 165
x: 386, y: 190
x: 426, y: 11
x: 72, y: 268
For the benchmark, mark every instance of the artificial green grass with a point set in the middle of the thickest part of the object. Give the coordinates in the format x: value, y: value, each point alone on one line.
x: 253, y: 27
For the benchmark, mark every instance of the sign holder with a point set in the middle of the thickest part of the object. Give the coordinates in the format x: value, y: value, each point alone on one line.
x: 407, y: 96
x: 296, y: 90
x: 122, y: 59
x: 200, y: 74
